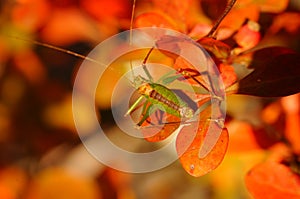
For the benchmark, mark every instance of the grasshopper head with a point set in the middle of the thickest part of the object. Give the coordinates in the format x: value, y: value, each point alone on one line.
x: 186, y: 112
x: 145, y: 89
x: 138, y: 81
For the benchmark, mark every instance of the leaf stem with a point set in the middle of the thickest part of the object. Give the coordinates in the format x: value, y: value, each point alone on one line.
x: 220, y: 19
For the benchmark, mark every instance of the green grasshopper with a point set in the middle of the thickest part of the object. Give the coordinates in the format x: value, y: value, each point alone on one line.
x: 159, y: 96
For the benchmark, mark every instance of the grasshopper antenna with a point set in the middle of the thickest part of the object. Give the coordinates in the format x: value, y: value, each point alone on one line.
x: 58, y: 49
x: 83, y: 57
x: 130, y: 38
x: 131, y: 22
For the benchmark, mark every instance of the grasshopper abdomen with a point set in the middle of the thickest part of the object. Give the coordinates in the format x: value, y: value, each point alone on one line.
x: 166, y: 100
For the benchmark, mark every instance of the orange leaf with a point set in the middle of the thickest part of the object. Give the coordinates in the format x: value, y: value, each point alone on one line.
x: 69, y: 25
x: 156, y: 19
x: 30, y: 66
x: 273, y: 180
x: 189, y: 152
x: 111, y: 16
x: 153, y: 131
x: 31, y: 15
x: 4, y: 50
x: 273, y: 6
x: 103, y: 9
x: 228, y: 74
x: 169, y: 45
x: 237, y: 16
x: 190, y: 160
x: 120, y: 182
x: 184, y: 66
x: 289, y: 21
x: 291, y: 105
x: 62, y: 184
x: 248, y: 36
x: 271, y: 113
x: 279, y: 152
x: 178, y: 10
x: 242, y: 138
x: 13, y: 181
x: 218, y: 48
x: 185, y: 13
x: 200, y: 30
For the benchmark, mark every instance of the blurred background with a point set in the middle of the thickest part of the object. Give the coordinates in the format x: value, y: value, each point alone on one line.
x: 41, y: 155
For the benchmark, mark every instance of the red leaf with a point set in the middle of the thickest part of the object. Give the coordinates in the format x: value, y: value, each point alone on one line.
x: 276, y: 73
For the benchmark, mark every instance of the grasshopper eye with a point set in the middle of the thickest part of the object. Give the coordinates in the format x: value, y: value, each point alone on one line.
x: 186, y: 112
